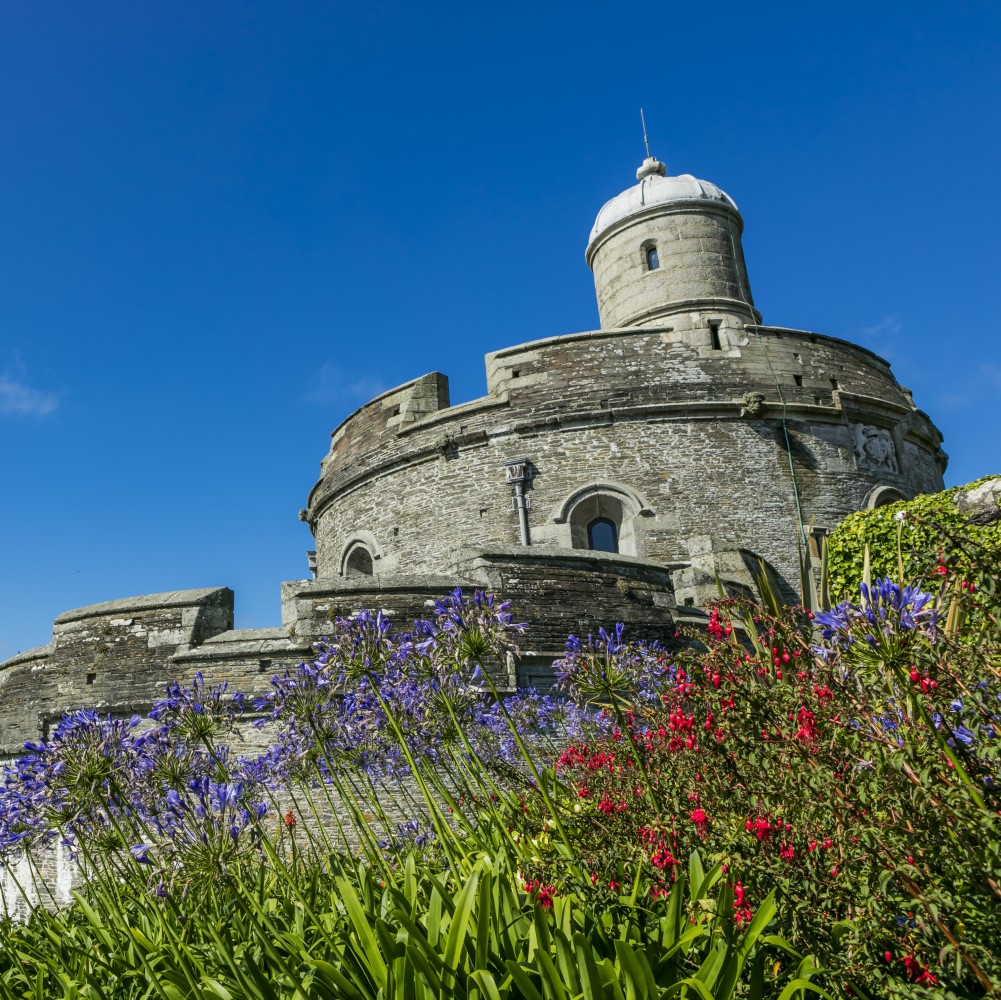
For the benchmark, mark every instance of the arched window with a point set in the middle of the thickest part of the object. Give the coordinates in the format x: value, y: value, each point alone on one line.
x: 358, y: 562
x: 880, y: 496
x: 603, y: 535
x: 603, y: 517
x: 652, y: 259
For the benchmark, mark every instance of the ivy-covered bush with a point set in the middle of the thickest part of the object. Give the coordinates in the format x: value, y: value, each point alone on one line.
x: 910, y: 531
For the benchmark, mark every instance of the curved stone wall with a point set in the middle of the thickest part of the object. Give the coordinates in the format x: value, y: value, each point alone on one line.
x: 700, y: 258
x: 671, y: 437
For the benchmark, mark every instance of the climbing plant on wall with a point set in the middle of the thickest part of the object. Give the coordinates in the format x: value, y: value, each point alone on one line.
x: 915, y: 533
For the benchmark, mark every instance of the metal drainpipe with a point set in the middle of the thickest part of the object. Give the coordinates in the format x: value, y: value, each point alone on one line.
x: 516, y: 473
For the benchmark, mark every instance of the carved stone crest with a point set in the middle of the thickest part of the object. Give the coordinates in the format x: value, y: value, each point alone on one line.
x: 874, y: 448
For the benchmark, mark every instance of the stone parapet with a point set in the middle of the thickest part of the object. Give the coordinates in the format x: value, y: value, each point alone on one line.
x: 738, y: 438
x: 116, y: 655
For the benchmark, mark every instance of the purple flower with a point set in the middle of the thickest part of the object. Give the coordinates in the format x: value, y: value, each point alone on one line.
x: 141, y: 853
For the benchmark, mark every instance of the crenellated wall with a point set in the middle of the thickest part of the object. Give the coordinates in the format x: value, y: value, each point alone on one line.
x: 117, y: 656
x: 677, y: 438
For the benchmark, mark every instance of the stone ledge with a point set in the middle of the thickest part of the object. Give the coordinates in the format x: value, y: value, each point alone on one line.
x: 248, y: 635
x: 149, y: 602
x: 37, y: 654
x: 383, y: 582
x: 554, y: 555
x: 248, y: 643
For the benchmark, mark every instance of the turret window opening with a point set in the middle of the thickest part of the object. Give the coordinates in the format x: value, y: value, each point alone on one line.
x: 652, y: 257
x: 714, y: 334
x: 603, y: 535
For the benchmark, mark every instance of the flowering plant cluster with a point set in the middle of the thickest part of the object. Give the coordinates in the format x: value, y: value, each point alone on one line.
x: 829, y: 778
x: 849, y: 759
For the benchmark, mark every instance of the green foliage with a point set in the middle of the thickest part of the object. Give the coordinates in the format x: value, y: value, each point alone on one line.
x: 419, y: 934
x: 787, y: 805
x: 917, y: 539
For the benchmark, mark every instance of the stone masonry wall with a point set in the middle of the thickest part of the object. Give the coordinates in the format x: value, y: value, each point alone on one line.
x: 117, y: 655
x: 701, y: 259
x: 656, y: 414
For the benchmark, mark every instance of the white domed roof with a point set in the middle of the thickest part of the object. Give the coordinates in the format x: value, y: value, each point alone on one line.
x: 656, y: 188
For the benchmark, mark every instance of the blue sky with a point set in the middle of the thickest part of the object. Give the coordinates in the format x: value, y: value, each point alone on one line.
x: 223, y: 226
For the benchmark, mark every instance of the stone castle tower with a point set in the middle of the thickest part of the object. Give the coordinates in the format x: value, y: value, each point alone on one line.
x: 610, y: 475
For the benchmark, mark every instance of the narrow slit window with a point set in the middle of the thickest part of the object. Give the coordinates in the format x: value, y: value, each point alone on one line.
x: 714, y: 335
x: 798, y: 379
x: 603, y: 535
x: 652, y: 259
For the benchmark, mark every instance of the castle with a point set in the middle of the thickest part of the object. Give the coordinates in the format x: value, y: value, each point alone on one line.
x: 612, y: 475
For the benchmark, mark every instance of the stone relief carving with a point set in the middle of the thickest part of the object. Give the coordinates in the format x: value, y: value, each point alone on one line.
x: 752, y: 404
x: 874, y: 448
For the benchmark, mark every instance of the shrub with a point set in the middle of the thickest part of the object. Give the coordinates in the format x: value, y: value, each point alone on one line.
x: 909, y: 539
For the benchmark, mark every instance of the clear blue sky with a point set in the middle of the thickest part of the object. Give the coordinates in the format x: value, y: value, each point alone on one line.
x: 224, y: 225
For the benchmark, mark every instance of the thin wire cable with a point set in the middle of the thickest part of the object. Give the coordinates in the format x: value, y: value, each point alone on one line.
x: 801, y: 540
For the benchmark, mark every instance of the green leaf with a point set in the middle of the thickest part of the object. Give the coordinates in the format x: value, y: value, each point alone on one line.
x: 366, y: 942
x: 459, y: 924
x: 799, y: 985
x: 590, y: 981
x: 217, y: 989
x: 486, y: 984
x: 525, y: 985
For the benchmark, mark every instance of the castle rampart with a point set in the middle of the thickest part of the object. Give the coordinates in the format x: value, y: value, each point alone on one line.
x: 671, y: 435
x: 610, y: 475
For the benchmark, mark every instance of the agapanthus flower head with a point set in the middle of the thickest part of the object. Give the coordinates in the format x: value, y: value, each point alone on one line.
x: 887, y: 620
x: 606, y: 666
x: 196, y: 711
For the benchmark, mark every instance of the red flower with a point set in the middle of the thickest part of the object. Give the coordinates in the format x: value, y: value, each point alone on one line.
x: 700, y: 819
x: 663, y: 857
x: 544, y: 896
x: 289, y: 819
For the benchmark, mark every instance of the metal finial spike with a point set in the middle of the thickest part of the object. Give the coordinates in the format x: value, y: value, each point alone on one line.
x: 649, y: 166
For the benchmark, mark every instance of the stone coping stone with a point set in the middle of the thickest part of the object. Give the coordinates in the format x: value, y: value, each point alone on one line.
x: 554, y: 555
x: 622, y: 331
x: 28, y: 656
x: 250, y: 642
x: 382, y: 582
x: 249, y: 635
x: 148, y: 602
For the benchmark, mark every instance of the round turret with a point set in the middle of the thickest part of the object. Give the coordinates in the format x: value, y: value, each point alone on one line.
x: 668, y: 246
